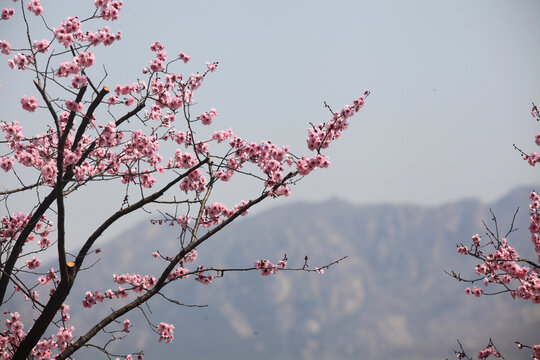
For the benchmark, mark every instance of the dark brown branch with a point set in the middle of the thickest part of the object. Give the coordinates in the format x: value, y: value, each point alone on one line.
x: 163, y: 278
x: 88, y: 116
x: 61, y: 217
x: 139, y: 204
x: 19, y: 243
x: 130, y: 114
x: 64, y: 287
x: 48, y: 102
x: 70, y: 120
x: 24, y: 188
x: 45, y: 318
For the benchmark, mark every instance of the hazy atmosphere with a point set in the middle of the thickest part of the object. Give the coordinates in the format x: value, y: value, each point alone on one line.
x: 452, y: 85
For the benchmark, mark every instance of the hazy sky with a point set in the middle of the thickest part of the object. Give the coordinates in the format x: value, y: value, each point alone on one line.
x: 451, y: 83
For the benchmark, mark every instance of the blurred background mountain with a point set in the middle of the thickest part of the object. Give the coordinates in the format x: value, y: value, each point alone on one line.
x: 390, y: 299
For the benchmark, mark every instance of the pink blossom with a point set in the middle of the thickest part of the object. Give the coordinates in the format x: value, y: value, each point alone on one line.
x: 71, y: 105
x: 79, y: 81
x: 185, y: 58
x: 477, y: 291
x: 41, y: 46
x: 463, y: 250
x: 64, y: 336
x: 5, y: 47
x: 156, y: 65
x: 35, y: 7
x: 195, y: 81
x: 33, y: 263
x: 29, y: 104
x: 85, y: 59
x: 65, y: 32
x: 67, y: 68
x: 157, y: 46
x: 20, y: 61
x: 44, y: 242
x: 222, y: 135
x: 206, y: 118
x: 211, y: 66
x: 484, y: 354
x: 536, y: 351
x: 126, y: 325
x: 266, y: 267
x: 191, y: 256
x: 7, y: 13
x: 6, y: 163
x: 533, y: 158
x: 109, y: 9
x: 112, y: 100
x: 179, y: 273
x: 165, y: 332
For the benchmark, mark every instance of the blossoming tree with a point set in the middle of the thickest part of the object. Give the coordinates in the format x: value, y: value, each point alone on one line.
x: 501, y: 268
x: 93, y: 135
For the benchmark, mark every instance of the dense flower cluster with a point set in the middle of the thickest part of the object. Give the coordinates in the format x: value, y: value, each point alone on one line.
x: 504, y: 265
x: 268, y: 268
x: 81, y: 145
x: 165, y: 332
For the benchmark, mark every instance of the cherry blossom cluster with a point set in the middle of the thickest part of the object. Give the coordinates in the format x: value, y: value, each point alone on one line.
x: 44, y: 348
x: 207, y: 117
x: 92, y: 298
x: 109, y: 9
x: 49, y: 276
x: 213, y: 213
x: 501, y: 267
x: 268, y: 268
x: 139, y: 284
x: 320, y: 136
x: 19, y: 61
x: 7, y: 13
x: 12, y: 226
x: 165, y: 332
x: 35, y: 7
x: 487, y: 352
x: 5, y: 47
x: 13, y: 335
x: 202, y: 278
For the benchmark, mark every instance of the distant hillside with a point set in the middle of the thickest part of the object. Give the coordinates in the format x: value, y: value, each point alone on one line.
x: 388, y: 300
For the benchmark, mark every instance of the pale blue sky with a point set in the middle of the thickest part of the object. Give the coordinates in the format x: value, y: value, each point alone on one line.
x: 452, y: 84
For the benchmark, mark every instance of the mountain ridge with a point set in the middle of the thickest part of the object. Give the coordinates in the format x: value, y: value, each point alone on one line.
x: 388, y: 299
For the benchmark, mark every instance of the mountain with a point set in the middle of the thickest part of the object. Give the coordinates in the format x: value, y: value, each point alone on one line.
x: 390, y: 298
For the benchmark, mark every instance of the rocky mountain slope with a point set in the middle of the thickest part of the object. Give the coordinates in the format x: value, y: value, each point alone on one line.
x: 390, y: 299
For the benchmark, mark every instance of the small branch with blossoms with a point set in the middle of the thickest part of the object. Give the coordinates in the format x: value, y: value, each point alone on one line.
x: 491, y: 351
x: 500, y: 264
x: 264, y: 266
